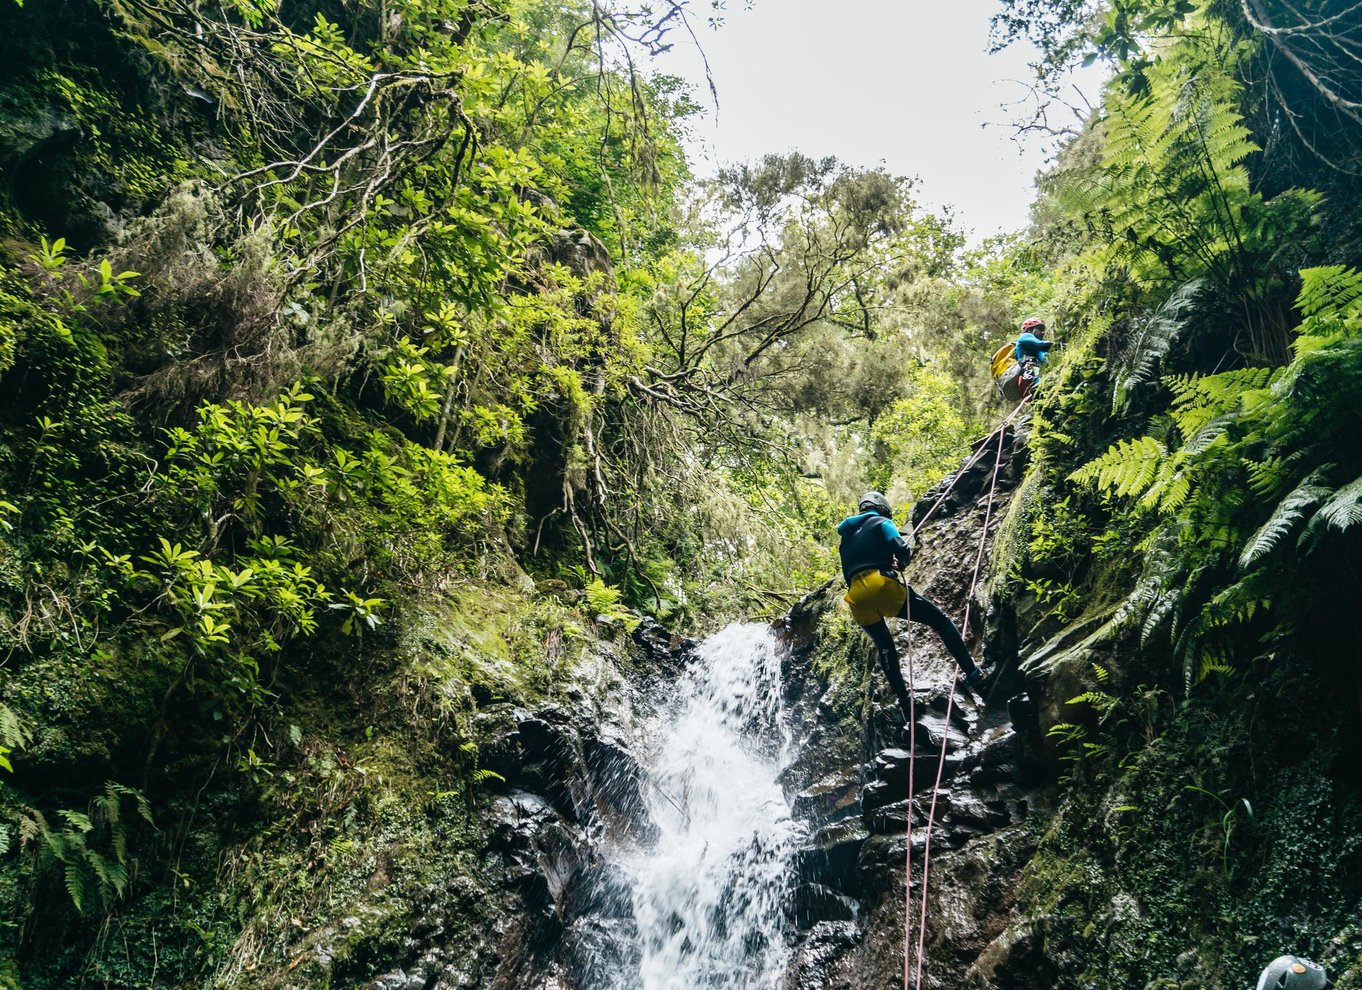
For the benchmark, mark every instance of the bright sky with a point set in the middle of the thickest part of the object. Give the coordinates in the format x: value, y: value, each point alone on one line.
x: 904, y: 83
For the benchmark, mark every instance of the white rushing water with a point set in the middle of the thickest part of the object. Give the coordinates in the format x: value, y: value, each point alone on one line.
x: 710, y: 896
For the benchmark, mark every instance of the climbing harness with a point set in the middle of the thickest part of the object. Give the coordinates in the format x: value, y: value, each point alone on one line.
x: 1000, y: 432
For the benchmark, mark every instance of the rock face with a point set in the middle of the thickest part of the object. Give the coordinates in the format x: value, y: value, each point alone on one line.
x: 558, y: 908
x: 857, y: 785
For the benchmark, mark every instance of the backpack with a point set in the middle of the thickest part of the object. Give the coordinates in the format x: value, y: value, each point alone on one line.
x: 1010, y: 383
x: 1003, y: 358
x: 1006, y: 372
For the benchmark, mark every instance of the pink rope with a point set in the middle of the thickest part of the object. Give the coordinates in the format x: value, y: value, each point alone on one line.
x: 950, y: 706
x: 912, y: 759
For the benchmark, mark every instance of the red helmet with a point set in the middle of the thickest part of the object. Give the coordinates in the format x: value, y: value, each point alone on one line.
x: 1032, y: 323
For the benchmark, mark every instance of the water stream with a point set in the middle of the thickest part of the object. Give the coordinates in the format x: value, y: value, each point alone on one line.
x: 710, y: 895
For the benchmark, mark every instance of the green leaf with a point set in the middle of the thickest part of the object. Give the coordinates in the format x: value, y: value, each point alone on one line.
x: 76, y: 885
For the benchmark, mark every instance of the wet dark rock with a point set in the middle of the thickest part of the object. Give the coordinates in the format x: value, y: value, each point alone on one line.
x: 830, y: 858
x: 971, y: 811
x: 40, y: 175
x: 932, y: 730
x: 617, y: 786
x: 890, y: 781
x: 961, y: 488
x: 989, y: 776
x: 572, y: 788
x: 596, y: 948
x: 892, y: 817
x: 814, y: 903
x: 666, y: 650
x: 1015, y: 960
x: 603, y: 891
x: 824, y: 945
x: 823, y: 754
x: 833, y: 798
x: 997, y: 757
x: 882, y: 855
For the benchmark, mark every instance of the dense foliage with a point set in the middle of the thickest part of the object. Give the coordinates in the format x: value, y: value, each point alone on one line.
x: 1194, y: 499
x: 365, y: 365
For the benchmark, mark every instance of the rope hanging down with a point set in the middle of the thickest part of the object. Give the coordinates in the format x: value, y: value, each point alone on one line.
x: 950, y: 703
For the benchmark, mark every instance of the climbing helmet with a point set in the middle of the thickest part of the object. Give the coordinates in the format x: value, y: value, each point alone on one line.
x: 1033, y: 324
x: 875, y: 502
x: 1293, y: 973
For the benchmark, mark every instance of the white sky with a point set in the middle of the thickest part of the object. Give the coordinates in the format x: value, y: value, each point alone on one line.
x: 904, y: 83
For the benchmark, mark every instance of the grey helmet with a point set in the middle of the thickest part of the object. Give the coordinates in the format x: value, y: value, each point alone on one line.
x: 875, y: 502
x: 1293, y: 973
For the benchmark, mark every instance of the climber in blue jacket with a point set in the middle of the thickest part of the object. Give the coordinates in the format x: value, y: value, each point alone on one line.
x: 1031, y: 351
x: 1032, y: 342
x: 873, y: 552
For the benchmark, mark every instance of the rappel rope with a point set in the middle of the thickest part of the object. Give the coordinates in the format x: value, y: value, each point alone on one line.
x: 950, y: 703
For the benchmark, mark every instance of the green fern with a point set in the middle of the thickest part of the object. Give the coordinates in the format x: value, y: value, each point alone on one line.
x: 1268, y: 475
x: 1286, y: 516
x: 1343, y: 510
x: 90, y: 849
x: 13, y: 734
x: 1330, y: 297
x: 1151, y: 342
x: 1127, y: 468
x: 1171, y: 197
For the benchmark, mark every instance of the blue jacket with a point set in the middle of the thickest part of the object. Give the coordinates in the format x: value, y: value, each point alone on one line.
x: 870, y: 546
x: 1029, y: 345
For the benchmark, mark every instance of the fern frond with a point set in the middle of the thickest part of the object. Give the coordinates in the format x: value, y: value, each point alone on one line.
x: 1161, y: 607
x: 78, y: 821
x: 1238, y: 604
x: 1175, y: 494
x: 117, y: 877
x: 1098, y: 700
x: 1332, y: 289
x: 1213, y: 662
x: 32, y: 827
x: 1265, y: 477
x: 1285, y: 516
x: 1343, y: 510
x: 1127, y: 468
x: 76, y: 885
x: 13, y: 734
x: 1152, y: 341
x: 99, y: 866
x: 1187, y: 652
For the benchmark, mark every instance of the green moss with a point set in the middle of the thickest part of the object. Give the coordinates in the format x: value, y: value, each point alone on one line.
x: 1195, y: 835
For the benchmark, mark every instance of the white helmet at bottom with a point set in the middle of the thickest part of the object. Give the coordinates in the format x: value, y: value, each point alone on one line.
x: 1293, y: 973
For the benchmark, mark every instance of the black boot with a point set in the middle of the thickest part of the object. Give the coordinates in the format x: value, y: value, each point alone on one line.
x: 981, y: 684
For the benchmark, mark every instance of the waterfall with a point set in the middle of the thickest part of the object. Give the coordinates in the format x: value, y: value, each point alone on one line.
x: 710, y: 895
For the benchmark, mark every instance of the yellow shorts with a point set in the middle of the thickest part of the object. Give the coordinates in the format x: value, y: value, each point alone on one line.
x: 873, y: 596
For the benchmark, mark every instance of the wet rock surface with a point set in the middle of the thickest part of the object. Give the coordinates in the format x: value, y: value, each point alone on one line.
x: 992, y: 774
x: 554, y: 908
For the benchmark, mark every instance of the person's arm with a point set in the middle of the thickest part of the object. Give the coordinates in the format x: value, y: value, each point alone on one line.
x: 902, y: 552
x: 1029, y: 345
